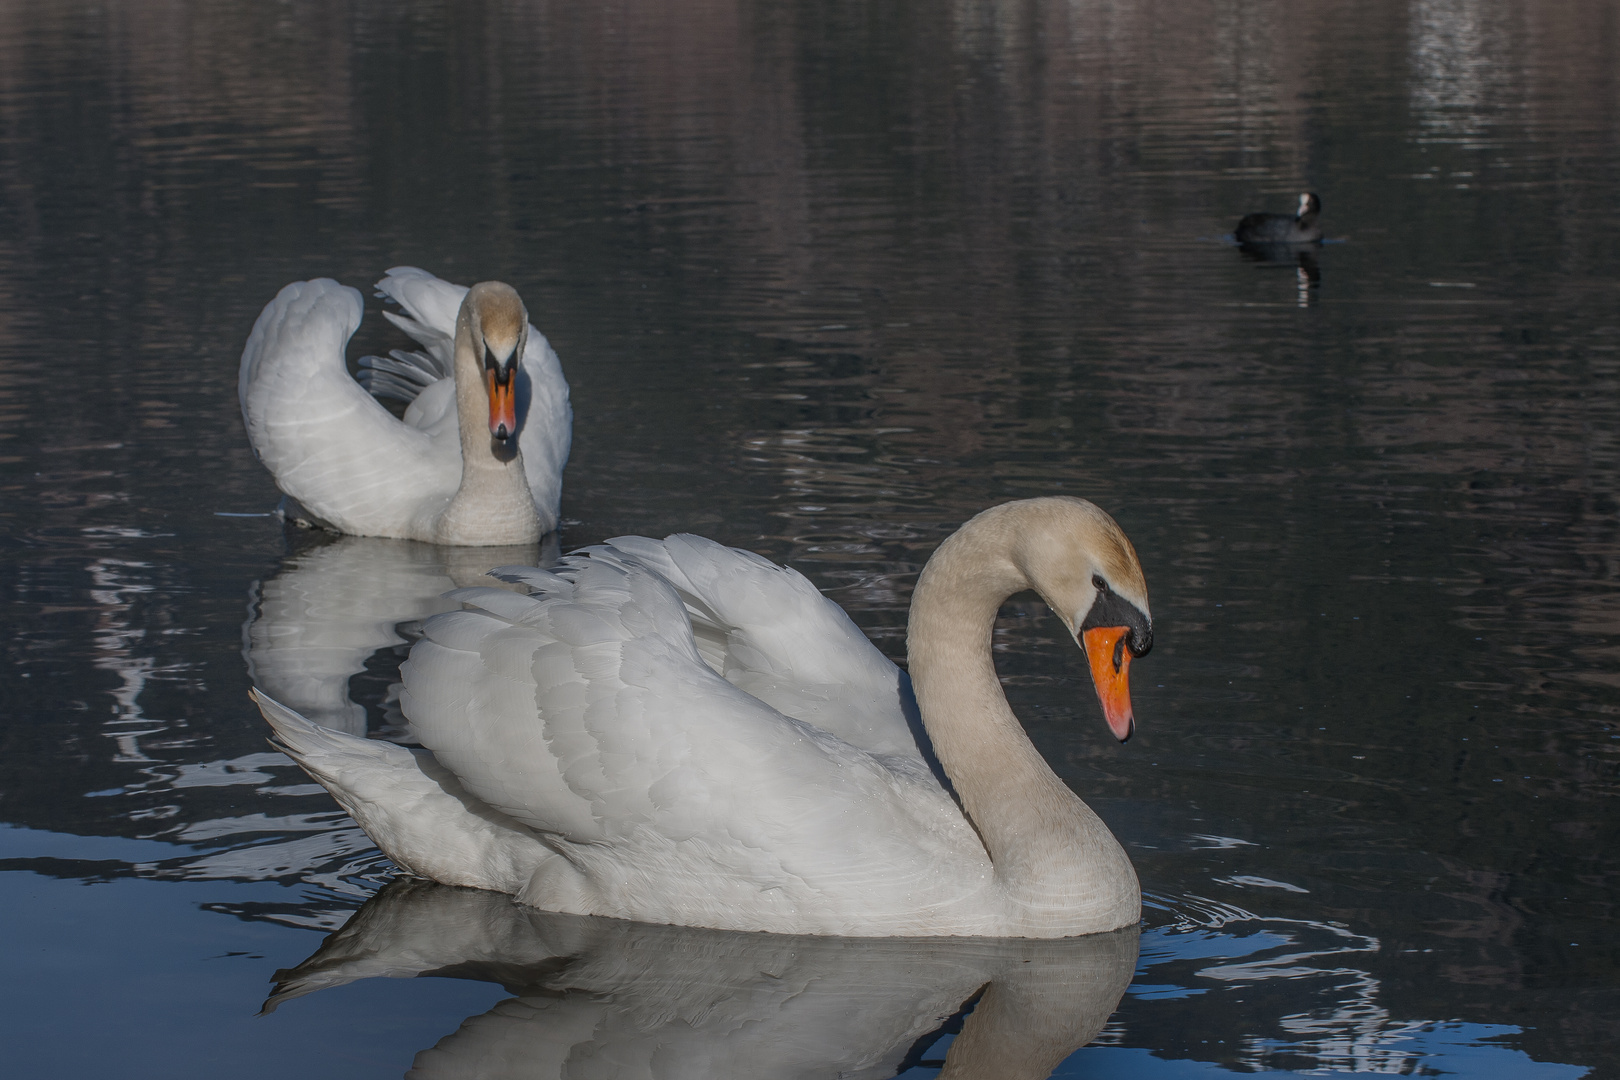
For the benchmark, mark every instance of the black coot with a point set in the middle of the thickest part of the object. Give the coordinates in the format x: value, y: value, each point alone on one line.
x: 1301, y: 228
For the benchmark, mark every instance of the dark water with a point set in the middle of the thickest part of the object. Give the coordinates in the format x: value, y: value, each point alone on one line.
x: 826, y: 279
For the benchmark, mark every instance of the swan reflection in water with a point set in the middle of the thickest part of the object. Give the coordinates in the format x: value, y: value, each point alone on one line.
x: 335, y: 605
x: 596, y: 996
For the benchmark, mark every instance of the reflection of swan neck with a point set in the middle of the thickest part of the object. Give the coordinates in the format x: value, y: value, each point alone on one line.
x: 1032, y: 1016
x: 1052, y: 855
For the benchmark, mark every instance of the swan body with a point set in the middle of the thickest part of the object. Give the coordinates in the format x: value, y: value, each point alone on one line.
x: 679, y: 732
x: 1300, y: 227
x: 435, y: 475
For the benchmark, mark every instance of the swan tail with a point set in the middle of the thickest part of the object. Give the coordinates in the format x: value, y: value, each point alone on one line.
x: 410, y: 805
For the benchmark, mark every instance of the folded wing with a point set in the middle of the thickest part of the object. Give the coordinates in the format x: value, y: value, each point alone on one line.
x: 587, y: 713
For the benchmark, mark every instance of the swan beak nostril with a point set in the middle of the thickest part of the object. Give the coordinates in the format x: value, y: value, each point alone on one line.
x: 1110, y: 673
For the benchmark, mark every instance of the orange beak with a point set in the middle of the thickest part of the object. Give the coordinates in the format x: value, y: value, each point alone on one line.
x: 1110, y: 663
x: 502, y: 406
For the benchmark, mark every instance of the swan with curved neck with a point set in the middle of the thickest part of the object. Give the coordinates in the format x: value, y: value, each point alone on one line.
x: 679, y: 732
x: 493, y: 499
x: 1051, y: 852
x: 477, y: 457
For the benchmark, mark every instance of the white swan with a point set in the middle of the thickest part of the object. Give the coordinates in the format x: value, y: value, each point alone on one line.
x: 435, y: 475
x: 678, y: 732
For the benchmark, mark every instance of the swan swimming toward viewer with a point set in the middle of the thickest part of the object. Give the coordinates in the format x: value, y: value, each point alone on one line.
x: 673, y: 731
x: 479, y: 453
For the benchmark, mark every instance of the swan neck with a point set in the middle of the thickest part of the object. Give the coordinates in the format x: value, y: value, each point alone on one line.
x: 494, y: 502
x: 977, y: 738
x: 1051, y: 854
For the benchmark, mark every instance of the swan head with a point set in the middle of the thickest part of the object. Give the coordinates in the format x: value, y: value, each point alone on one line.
x: 1309, y: 206
x: 497, y: 327
x: 1084, y: 567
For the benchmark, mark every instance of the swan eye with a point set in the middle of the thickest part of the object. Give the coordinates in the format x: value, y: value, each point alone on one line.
x: 1098, y: 583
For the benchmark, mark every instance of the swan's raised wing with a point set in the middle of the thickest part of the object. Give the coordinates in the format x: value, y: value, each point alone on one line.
x: 546, y: 432
x: 329, y: 444
x: 587, y: 714
x: 772, y: 633
x: 430, y: 307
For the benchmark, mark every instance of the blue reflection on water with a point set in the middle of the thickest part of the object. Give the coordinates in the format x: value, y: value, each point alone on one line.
x: 1455, y: 1048
x: 109, y: 967
x: 108, y: 963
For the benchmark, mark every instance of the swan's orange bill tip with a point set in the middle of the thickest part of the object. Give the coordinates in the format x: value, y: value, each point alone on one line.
x: 502, y: 406
x: 1110, y: 668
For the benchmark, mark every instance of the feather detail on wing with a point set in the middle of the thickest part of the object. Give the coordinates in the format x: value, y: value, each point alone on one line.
x: 586, y: 713
x: 772, y: 633
x: 400, y: 375
x: 410, y: 805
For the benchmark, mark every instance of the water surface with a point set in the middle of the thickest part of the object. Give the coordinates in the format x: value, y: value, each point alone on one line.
x: 826, y: 279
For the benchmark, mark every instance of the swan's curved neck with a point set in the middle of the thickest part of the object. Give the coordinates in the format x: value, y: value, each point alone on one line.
x: 1052, y: 855
x: 493, y: 504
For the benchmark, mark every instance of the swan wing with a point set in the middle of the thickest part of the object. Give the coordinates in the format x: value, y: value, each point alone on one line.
x: 400, y: 375
x: 587, y: 713
x: 545, y: 433
x: 430, y: 306
x: 770, y: 632
x: 328, y: 443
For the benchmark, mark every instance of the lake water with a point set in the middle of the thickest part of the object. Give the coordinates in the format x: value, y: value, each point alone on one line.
x: 827, y: 279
